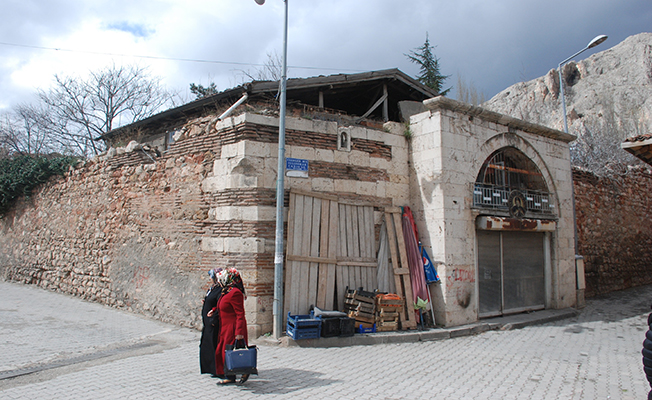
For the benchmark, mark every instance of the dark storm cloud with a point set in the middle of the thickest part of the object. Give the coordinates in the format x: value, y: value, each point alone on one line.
x: 492, y: 44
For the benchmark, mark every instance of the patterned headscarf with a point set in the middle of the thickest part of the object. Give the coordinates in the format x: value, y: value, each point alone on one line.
x: 214, y: 272
x: 230, y: 277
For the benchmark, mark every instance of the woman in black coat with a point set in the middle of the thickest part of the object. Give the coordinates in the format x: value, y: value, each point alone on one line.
x: 647, y: 354
x: 211, y: 329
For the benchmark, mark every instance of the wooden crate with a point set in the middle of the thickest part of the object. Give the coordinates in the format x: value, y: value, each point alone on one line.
x: 361, y: 306
x: 385, y: 326
x: 388, y: 312
x: 387, y: 315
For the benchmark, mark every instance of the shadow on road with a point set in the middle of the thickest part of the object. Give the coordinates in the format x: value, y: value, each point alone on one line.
x: 284, y: 381
x: 616, y: 306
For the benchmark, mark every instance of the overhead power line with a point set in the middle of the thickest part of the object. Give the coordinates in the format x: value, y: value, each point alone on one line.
x: 168, y: 58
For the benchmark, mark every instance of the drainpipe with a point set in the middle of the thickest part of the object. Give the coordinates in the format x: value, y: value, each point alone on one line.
x: 228, y: 112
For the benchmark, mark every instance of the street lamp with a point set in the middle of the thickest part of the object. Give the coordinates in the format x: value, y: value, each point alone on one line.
x: 596, y: 41
x: 280, y: 189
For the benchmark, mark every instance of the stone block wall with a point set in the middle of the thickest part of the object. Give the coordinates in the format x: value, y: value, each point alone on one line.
x: 139, y: 232
x: 368, y: 173
x: 450, y: 142
x: 614, y: 216
x: 122, y: 236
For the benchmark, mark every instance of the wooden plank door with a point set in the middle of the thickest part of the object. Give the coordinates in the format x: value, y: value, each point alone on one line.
x: 330, y: 246
x: 310, y: 260
x: 328, y: 250
x: 357, y: 264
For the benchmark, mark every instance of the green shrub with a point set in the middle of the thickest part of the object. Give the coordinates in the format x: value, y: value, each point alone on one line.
x: 19, y: 175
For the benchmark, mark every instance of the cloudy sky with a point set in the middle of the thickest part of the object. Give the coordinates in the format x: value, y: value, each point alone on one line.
x: 490, y: 44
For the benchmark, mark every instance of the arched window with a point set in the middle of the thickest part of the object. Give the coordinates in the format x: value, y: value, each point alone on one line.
x: 508, y: 173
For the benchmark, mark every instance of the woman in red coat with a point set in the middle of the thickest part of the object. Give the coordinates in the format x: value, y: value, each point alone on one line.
x: 233, y: 325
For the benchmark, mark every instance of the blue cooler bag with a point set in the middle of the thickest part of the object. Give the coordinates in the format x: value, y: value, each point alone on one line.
x: 240, y: 360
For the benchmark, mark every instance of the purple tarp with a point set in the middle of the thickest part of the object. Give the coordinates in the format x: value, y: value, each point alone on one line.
x: 415, y: 262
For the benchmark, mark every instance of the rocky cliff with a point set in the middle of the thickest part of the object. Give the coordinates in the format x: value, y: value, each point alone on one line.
x: 608, y: 96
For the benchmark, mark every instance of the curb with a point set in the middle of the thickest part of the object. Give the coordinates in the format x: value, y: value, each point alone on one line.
x: 511, y: 322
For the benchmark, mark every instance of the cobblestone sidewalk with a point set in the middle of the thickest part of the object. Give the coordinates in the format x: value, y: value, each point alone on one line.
x: 596, y: 355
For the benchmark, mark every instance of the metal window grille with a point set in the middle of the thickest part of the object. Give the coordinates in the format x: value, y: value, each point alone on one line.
x: 496, y: 197
x: 506, y: 170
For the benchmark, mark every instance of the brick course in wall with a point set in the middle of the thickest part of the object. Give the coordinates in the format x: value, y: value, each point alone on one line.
x: 133, y: 158
x: 243, y: 197
x: 614, y: 231
x: 269, y: 134
x: 320, y: 169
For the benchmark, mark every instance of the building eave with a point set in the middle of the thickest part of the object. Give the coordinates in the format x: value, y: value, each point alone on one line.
x: 297, y: 89
x: 441, y: 102
x: 641, y: 149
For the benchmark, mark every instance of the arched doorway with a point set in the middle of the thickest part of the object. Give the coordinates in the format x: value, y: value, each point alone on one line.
x: 516, y: 216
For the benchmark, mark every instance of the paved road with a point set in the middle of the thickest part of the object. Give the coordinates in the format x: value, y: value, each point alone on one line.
x: 58, y: 347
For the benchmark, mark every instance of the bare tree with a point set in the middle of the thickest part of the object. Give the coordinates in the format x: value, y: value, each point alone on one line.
x: 597, y: 147
x: 599, y: 152
x: 468, y: 93
x: 272, y: 69
x: 11, y: 137
x: 26, y: 130
x: 82, y: 110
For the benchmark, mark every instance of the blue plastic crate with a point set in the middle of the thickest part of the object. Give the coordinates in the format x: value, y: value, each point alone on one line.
x: 303, y: 326
x: 302, y: 333
x: 361, y: 329
x: 303, y: 321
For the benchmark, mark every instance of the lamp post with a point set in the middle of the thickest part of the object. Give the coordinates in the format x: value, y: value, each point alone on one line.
x: 578, y: 258
x: 596, y: 41
x: 280, y: 189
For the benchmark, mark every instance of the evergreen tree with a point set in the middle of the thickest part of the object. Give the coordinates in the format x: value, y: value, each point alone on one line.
x: 429, y: 67
x: 201, y: 91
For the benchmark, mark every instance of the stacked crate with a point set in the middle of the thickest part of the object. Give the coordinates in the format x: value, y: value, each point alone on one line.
x: 337, y: 326
x: 361, y: 306
x: 388, y: 307
x: 303, y: 326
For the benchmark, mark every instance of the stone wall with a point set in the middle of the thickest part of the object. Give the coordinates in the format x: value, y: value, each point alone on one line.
x: 614, y: 229
x: 450, y: 143
x: 121, y: 236
x: 373, y: 171
x: 138, y: 232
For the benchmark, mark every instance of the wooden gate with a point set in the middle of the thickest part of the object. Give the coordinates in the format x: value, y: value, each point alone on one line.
x: 331, y: 246
x: 311, y: 252
x: 356, y: 263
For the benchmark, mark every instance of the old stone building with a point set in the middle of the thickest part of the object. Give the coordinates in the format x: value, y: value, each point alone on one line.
x: 140, y: 226
x: 494, y: 198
